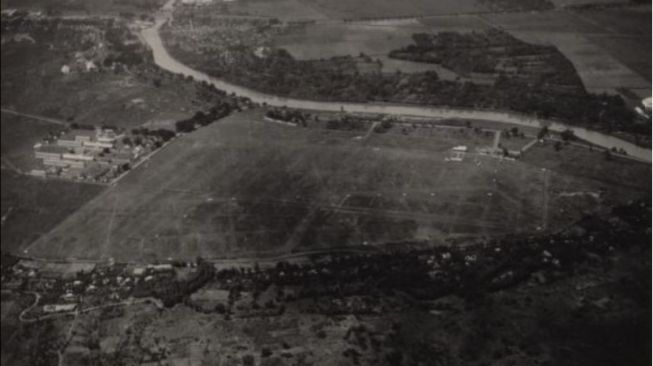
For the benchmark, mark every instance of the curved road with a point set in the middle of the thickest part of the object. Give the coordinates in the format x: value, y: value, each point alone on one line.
x: 164, y: 60
x: 37, y: 298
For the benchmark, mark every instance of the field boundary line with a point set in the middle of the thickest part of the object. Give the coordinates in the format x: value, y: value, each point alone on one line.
x: 34, y: 116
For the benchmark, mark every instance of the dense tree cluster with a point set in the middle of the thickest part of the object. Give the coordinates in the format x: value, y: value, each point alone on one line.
x: 531, y: 79
x: 348, y: 123
x: 200, y: 118
x: 355, y: 283
x: 171, y: 291
x: 163, y: 134
x: 125, y: 53
x: 288, y: 115
x: 494, y: 52
x: 83, y: 37
x: 517, y: 5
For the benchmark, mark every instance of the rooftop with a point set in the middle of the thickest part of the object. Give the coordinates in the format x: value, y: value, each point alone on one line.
x: 79, y: 132
x: 53, y: 149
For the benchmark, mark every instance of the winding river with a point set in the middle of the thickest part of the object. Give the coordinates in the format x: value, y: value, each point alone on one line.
x: 164, y: 60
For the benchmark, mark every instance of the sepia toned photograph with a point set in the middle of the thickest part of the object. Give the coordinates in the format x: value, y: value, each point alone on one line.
x: 326, y: 183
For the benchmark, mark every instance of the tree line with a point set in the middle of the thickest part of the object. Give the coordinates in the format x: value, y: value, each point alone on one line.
x: 200, y: 118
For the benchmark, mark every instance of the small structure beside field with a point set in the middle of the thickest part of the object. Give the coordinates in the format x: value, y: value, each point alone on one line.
x: 457, y: 153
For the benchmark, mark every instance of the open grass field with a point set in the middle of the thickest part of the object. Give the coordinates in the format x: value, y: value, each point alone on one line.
x: 103, y: 7
x: 375, y: 40
x: 19, y: 134
x: 611, y: 173
x: 565, y: 3
x: 596, y: 180
x: 246, y: 187
x: 634, y: 53
x: 342, y: 9
x: 95, y: 98
x: 32, y: 206
x: 321, y: 10
x: 343, y: 39
x: 280, y: 9
x: 32, y: 82
x: 626, y: 21
x: 370, y: 9
x: 628, y: 37
x: 458, y: 23
x: 550, y: 21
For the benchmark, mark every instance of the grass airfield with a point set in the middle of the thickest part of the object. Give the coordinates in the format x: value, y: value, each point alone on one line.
x: 245, y: 187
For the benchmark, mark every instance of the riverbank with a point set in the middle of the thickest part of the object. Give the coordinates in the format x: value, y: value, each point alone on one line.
x: 164, y: 60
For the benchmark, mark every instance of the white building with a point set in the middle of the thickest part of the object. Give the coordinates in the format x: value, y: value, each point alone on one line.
x: 57, y: 308
x: 77, y: 157
x: 97, y: 144
x: 37, y: 173
x: 66, y: 142
x: 76, y: 138
x: 160, y: 267
x: 647, y: 104
x: 90, y: 66
x: 50, y: 152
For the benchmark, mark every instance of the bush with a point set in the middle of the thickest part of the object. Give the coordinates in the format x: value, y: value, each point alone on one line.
x: 265, y: 352
x: 568, y: 135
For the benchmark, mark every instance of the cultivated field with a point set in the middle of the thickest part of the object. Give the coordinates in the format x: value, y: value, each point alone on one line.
x: 628, y: 37
x: 245, y: 187
x: 610, y: 48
